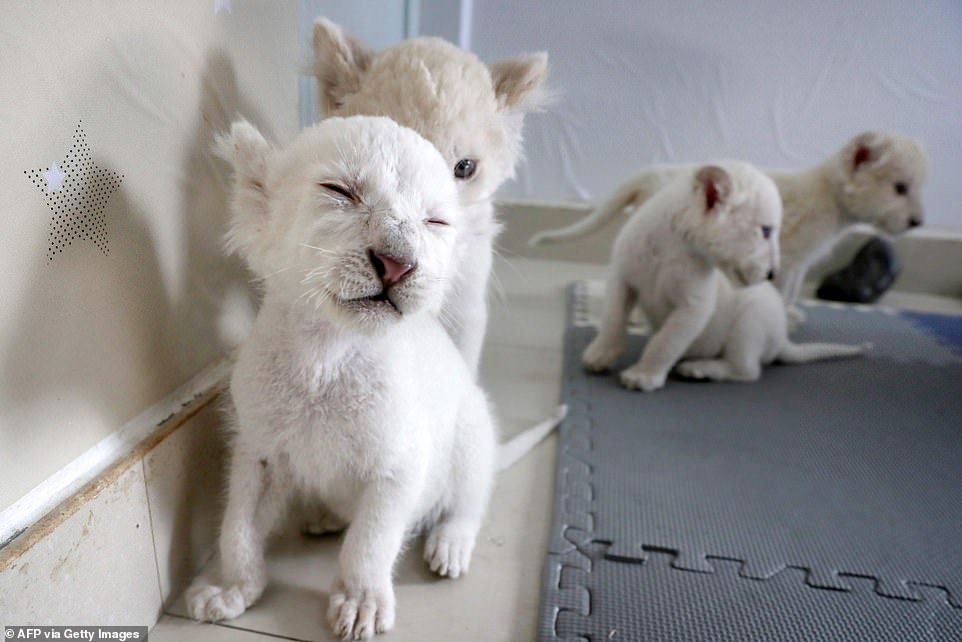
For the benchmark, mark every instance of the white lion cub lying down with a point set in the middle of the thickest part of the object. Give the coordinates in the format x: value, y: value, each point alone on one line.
x: 348, y: 390
x: 669, y: 259
x: 876, y: 178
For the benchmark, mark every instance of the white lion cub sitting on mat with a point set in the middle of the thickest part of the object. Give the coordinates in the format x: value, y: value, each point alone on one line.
x: 348, y: 389
x: 669, y: 259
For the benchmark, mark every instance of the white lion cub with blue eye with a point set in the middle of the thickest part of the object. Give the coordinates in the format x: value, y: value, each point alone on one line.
x: 348, y: 391
x: 672, y: 257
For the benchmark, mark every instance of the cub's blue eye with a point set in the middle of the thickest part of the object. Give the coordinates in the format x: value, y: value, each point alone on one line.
x: 766, y: 231
x: 465, y: 168
x: 901, y: 188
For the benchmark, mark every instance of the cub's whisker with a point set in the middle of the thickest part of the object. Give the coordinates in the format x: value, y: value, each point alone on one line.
x: 320, y: 250
x: 269, y: 275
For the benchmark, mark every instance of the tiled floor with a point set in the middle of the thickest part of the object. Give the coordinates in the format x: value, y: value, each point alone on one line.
x: 498, y: 599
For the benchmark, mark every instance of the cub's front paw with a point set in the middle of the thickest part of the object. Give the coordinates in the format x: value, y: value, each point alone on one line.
x: 599, y: 356
x: 359, y: 613
x: 448, y: 549
x: 637, y: 379
x: 209, y: 602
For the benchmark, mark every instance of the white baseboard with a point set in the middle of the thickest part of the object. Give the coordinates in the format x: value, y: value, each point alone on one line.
x: 116, y: 534
x: 30, y: 508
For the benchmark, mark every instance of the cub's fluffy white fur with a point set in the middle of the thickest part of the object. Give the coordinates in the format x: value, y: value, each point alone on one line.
x: 348, y: 390
x: 669, y: 259
x: 876, y: 178
x: 471, y: 112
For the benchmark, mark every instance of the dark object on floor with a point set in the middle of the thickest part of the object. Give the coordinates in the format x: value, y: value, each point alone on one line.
x: 872, y: 271
x: 823, y: 502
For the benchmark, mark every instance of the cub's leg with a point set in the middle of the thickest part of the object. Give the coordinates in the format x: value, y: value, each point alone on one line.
x: 718, y: 370
x: 362, y: 596
x: 256, y: 497
x: 789, y: 285
x: 451, y: 541
x: 744, y: 351
x: 605, y: 349
x: 666, y: 347
x: 734, y: 365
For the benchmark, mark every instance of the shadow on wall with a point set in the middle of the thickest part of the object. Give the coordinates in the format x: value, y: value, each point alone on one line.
x: 219, y: 300
x: 85, y: 326
x: 101, y: 337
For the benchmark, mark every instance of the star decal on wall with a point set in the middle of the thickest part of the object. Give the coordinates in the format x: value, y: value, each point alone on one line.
x: 76, y: 191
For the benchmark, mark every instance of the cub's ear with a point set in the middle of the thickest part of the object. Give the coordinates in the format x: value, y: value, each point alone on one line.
x: 249, y: 154
x: 715, y: 185
x: 340, y: 59
x: 518, y: 81
x: 866, y: 150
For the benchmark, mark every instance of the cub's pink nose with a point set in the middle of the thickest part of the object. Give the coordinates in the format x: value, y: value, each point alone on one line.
x: 390, y: 269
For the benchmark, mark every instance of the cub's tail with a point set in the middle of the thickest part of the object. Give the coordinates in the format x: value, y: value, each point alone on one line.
x: 629, y: 194
x: 795, y: 353
x: 518, y: 446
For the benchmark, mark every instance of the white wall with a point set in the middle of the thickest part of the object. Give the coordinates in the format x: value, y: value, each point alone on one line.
x: 88, y: 340
x: 781, y: 84
x: 379, y: 23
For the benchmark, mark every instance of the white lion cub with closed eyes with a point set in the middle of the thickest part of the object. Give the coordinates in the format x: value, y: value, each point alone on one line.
x: 348, y: 390
x: 670, y: 258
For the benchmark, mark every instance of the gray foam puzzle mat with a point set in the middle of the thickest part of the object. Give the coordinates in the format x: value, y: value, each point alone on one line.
x: 823, y: 502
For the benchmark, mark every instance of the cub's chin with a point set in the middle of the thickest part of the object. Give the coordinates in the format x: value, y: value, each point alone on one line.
x: 364, y: 315
x: 374, y: 314
x: 376, y: 304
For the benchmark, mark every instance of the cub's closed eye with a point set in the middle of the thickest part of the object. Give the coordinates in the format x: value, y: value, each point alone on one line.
x: 465, y: 168
x: 436, y: 221
x: 901, y: 188
x: 340, y: 191
x: 766, y: 231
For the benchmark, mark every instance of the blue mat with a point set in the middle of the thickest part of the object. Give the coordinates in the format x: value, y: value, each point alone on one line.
x: 823, y: 502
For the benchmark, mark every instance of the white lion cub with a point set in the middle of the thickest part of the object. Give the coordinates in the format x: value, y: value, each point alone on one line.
x: 875, y: 179
x: 669, y: 259
x: 472, y: 112
x: 348, y: 390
